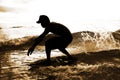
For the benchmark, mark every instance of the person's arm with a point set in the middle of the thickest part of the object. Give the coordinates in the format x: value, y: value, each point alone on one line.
x: 37, y: 41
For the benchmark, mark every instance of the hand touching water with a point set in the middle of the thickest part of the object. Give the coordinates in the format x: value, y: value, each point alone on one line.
x: 30, y: 51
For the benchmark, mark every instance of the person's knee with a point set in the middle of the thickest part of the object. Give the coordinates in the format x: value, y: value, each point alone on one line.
x: 46, y: 44
x: 48, y: 47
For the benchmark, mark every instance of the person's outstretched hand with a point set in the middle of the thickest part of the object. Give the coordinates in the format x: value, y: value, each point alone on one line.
x: 30, y: 50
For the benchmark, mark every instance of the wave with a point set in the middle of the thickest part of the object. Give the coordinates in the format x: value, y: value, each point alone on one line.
x: 86, y: 41
x: 20, y: 43
x: 15, y: 44
x: 93, y: 41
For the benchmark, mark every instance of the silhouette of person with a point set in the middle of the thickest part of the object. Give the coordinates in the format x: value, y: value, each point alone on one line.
x: 63, y: 39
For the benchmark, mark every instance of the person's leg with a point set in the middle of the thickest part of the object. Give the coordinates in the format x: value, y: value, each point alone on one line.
x: 48, y: 52
x: 65, y: 52
x: 56, y: 43
x: 50, y: 44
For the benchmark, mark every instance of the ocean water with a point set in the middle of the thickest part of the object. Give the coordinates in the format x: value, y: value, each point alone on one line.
x: 24, y: 36
x: 15, y: 41
x: 19, y: 32
x: 16, y: 31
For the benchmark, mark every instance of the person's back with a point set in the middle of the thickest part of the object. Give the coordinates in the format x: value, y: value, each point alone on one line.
x: 60, y: 30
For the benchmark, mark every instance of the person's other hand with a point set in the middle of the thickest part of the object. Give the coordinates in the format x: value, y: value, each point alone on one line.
x: 30, y: 50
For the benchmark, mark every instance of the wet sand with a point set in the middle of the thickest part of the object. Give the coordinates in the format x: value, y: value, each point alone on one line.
x: 102, y: 65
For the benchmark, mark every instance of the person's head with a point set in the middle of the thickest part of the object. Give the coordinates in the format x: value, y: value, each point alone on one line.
x: 44, y: 20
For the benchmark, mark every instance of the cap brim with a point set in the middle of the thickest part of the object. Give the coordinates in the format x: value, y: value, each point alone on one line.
x: 38, y: 22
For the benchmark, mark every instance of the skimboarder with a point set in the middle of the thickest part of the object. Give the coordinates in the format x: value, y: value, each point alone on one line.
x: 63, y: 39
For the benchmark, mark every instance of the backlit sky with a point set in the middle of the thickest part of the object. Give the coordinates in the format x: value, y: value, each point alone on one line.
x: 75, y: 14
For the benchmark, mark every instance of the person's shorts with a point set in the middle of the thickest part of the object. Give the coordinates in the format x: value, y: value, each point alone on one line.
x: 58, y: 42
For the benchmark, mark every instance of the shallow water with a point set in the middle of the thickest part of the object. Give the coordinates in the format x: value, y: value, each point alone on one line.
x: 93, y: 66
x: 15, y: 65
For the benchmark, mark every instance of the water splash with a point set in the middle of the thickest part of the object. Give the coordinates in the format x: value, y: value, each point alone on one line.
x: 98, y: 41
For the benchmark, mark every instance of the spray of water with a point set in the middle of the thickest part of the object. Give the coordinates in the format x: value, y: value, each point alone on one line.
x: 98, y: 42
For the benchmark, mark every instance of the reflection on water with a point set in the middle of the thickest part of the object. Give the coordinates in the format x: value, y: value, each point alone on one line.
x: 92, y: 66
x: 14, y: 65
x: 22, y: 32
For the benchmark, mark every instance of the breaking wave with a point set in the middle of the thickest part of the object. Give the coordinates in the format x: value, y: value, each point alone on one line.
x: 92, y: 41
x: 84, y: 41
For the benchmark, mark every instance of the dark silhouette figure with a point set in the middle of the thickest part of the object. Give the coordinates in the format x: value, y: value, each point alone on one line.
x: 63, y: 39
